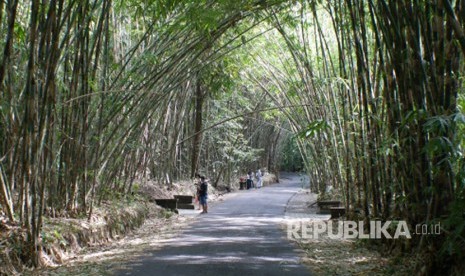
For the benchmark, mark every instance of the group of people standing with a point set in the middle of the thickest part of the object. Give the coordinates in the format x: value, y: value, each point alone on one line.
x: 250, y: 180
x: 201, y: 185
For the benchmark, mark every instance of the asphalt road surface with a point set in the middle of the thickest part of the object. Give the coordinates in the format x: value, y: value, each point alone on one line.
x: 239, y: 236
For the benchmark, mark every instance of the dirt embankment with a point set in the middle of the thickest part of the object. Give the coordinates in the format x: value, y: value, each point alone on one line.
x: 62, y: 238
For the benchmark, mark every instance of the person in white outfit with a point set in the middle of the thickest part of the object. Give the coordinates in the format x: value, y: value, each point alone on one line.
x: 258, y: 175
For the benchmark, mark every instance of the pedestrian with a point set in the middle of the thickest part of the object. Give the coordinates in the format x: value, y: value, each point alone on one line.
x: 203, y: 194
x: 242, y: 183
x: 259, y: 176
x: 249, y: 180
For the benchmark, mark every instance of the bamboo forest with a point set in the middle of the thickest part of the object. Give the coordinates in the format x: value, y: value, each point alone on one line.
x: 103, y: 99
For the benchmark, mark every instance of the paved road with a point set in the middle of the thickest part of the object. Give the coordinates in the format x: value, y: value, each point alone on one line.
x: 239, y: 236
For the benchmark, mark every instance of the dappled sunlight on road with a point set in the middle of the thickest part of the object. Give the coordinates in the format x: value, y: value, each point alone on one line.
x: 239, y: 235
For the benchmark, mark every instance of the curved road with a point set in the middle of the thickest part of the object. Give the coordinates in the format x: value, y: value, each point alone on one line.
x: 239, y: 236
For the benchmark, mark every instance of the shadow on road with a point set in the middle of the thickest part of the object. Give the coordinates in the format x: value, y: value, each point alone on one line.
x: 241, y: 235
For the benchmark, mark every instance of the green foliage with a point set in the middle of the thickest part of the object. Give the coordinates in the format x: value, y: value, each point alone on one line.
x: 53, y: 237
x: 314, y: 128
x: 440, y: 124
x: 135, y: 188
x: 166, y: 214
x: 291, y: 159
x: 454, y: 226
x: 440, y: 143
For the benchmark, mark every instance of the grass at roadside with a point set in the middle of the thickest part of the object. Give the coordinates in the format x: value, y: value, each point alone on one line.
x: 103, y: 259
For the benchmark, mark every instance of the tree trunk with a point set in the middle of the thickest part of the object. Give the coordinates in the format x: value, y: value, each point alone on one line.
x: 198, y: 121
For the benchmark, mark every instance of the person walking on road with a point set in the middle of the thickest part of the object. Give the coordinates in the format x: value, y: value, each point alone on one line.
x: 259, y: 176
x: 249, y: 180
x: 203, y: 194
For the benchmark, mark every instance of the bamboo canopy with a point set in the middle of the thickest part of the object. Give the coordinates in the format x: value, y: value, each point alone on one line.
x: 365, y: 96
